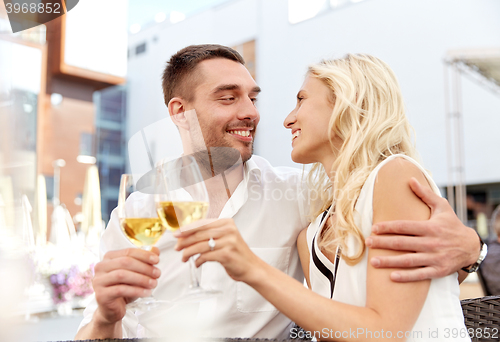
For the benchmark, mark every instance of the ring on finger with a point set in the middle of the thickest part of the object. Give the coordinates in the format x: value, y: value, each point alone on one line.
x: 211, y: 244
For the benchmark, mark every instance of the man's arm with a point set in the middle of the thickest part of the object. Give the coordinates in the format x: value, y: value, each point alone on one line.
x: 98, y: 329
x: 443, y: 245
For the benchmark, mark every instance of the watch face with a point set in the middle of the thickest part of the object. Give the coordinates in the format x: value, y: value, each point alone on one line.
x: 482, y: 255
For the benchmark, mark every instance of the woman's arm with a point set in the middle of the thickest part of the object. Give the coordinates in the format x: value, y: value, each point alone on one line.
x: 442, y: 244
x: 303, y: 250
x: 390, y: 306
x: 393, y: 199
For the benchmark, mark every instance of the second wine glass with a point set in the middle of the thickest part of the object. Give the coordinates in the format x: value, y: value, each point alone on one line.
x: 185, y: 201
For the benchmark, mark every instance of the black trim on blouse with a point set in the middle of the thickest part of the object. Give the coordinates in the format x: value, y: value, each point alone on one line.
x: 320, y: 266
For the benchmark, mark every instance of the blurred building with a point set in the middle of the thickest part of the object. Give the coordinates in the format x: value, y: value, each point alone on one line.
x: 111, y: 148
x: 52, y: 75
x: 414, y: 37
x: 85, y: 59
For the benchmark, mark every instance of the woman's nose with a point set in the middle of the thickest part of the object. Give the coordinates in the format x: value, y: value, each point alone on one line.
x: 290, y: 120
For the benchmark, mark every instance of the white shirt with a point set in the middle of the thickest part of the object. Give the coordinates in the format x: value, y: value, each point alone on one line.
x: 269, y: 208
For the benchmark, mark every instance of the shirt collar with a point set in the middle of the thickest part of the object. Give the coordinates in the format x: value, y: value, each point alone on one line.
x: 240, y: 194
x: 250, y: 168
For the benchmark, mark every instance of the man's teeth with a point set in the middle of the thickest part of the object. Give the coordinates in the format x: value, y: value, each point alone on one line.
x: 242, y: 133
x: 296, y: 134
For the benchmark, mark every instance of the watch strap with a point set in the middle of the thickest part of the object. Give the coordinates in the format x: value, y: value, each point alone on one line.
x: 482, y: 254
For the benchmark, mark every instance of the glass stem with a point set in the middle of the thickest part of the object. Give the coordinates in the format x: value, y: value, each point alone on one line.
x: 148, y: 298
x: 195, y: 282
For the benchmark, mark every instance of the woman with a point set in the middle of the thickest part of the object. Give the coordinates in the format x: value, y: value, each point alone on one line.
x: 349, y: 121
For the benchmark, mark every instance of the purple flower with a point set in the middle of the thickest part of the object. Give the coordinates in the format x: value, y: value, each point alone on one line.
x: 61, y: 278
x: 70, y: 283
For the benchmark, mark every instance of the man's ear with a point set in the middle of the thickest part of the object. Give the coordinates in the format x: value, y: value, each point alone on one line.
x: 177, y: 109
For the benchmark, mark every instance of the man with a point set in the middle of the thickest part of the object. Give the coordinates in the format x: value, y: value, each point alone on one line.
x: 212, y: 80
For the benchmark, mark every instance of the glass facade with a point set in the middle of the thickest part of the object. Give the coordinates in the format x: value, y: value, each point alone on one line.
x: 111, y: 144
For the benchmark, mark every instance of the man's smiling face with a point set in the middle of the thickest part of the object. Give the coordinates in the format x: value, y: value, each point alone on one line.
x: 224, y: 101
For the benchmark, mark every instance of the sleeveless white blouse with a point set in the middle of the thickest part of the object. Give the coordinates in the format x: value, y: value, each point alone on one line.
x: 441, y: 318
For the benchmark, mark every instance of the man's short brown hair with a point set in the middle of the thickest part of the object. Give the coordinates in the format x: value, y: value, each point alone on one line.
x: 178, y: 77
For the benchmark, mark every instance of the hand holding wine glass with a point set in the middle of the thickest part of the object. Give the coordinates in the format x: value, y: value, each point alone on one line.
x: 124, y: 275
x: 140, y: 222
x: 231, y: 251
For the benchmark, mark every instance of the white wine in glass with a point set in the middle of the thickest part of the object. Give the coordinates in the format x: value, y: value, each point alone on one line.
x: 143, y: 232
x: 139, y: 223
x: 185, y: 201
x: 176, y: 214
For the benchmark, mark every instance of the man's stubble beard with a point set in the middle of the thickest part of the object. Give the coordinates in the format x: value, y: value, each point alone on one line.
x: 220, y: 157
x: 213, y: 152
x: 215, y: 156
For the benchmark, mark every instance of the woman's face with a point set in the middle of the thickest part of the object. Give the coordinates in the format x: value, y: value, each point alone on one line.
x: 309, y: 123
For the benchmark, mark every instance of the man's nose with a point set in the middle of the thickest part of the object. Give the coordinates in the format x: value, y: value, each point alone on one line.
x: 248, y: 111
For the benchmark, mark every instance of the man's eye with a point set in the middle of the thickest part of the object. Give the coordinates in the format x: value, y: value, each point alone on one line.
x: 254, y: 100
x: 299, y: 98
x: 228, y: 99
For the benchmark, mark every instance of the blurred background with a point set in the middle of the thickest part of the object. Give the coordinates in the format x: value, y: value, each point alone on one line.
x: 76, y: 92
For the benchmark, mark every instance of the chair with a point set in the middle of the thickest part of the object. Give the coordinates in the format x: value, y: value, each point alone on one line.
x: 481, y: 313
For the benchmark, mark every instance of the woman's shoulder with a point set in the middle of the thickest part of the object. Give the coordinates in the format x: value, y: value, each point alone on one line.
x: 395, y: 172
x: 393, y: 197
x: 400, y: 166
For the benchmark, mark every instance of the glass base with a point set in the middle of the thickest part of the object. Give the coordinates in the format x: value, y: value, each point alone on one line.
x: 196, y: 294
x: 147, y: 303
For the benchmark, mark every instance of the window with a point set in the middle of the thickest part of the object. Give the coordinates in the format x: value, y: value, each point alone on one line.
x: 339, y: 3
x: 86, y: 144
x: 112, y: 108
x: 301, y: 10
x: 141, y: 48
x: 109, y: 176
x: 49, y: 185
x: 114, y: 177
x: 111, y: 105
x: 110, y: 142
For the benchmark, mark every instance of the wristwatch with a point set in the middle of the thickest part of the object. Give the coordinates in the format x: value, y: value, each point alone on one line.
x: 473, y: 268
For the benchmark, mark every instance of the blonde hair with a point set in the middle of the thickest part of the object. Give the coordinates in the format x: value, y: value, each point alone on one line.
x: 369, y: 118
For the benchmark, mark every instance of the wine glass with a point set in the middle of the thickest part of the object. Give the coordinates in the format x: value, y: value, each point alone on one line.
x: 185, y: 201
x: 140, y: 223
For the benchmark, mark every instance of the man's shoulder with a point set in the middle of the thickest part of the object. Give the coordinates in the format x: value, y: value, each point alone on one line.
x: 271, y: 175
